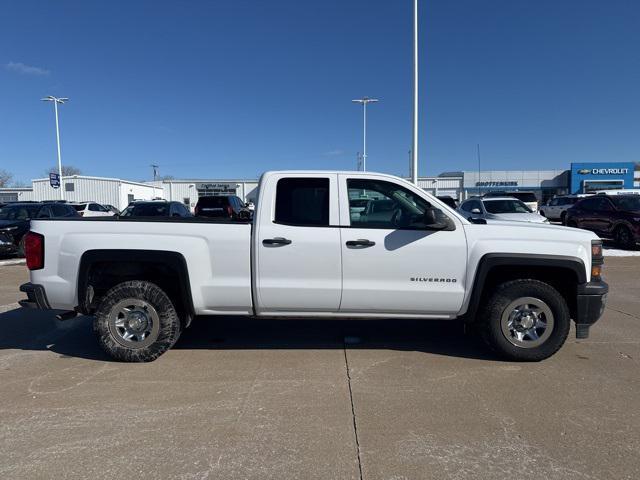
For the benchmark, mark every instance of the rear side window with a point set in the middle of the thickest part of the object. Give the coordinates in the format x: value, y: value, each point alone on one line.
x: 303, y: 202
x: 79, y: 208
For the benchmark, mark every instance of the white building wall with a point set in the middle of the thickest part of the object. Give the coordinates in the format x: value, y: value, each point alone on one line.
x: 18, y: 194
x: 442, y: 186
x: 110, y: 191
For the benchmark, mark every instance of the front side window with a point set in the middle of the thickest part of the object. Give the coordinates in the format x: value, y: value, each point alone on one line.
x: 506, y: 206
x: 472, y: 205
x: 629, y: 204
x: 302, y: 202
x: 381, y: 204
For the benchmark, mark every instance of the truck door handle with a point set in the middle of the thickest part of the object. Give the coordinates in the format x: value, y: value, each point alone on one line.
x: 363, y: 243
x: 276, y: 241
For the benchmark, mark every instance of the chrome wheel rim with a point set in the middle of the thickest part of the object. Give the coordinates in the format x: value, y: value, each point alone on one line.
x: 134, y: 323
x: 527, y: 322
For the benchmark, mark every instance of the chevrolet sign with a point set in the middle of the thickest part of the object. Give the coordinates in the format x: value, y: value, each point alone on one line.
x: 603, y: 171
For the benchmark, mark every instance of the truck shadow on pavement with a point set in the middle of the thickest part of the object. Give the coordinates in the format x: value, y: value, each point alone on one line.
x: 25, y: 329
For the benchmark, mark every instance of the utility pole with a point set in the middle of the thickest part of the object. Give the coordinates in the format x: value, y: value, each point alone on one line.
x: 364, y: 101
x: 414, y: 173
x: 57, y: 101
x: 478, y: 184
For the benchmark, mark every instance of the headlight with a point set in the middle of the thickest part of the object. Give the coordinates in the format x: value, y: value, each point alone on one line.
x: 8, y: 229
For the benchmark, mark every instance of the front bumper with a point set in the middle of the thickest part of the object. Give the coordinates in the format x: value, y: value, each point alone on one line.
x: 591, y: 300
x: 36, y: 297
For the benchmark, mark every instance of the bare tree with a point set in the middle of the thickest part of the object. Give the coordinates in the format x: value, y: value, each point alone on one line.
x: 5, y: 178
x: 67, y: 171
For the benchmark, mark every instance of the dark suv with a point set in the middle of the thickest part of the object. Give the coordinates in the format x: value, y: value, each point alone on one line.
x: 156, y: 208
x: 224, y: 206
x: 609, y: 216
x: 15, y: 220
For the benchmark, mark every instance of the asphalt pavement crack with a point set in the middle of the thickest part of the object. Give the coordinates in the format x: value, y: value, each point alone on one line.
x: 353, y: 410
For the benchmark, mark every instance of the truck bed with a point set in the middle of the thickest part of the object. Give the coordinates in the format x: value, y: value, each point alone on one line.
x: 217, y: 253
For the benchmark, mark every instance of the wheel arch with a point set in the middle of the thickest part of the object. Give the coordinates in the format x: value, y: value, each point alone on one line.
x: 562, y: 272
x: 99, y: 270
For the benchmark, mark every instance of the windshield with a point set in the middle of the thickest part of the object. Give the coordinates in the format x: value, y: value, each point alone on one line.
x: 18, y: 212
x: 631, y: 204
x: 147, y: 210
x: 506, y: 206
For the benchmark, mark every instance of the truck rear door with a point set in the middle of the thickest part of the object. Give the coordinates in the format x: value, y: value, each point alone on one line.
x: 392, y: 264
x: 297, y: 258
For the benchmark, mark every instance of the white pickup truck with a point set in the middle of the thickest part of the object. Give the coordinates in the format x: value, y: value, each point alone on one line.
x: 321, y: 244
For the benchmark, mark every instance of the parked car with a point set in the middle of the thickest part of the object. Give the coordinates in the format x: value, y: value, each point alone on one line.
x: 91, y: 209
x: 494, y: 209
x: 448, y: 201
x: 222, y: 206
x: 156, y: 208
x: 609, y: 216
x: 111, y: 208
x: 517, y: 283
x: 528, y: 198
x: 15, y: 220
x: 556, y: 208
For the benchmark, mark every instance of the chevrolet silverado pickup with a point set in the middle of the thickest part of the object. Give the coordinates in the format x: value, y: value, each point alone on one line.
x: 321, y: 244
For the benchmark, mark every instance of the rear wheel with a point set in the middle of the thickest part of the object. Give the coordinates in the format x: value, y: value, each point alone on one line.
x: 136, y: 322
x: 624, y: 237
x: 525, y: 320
x: 572, y: 223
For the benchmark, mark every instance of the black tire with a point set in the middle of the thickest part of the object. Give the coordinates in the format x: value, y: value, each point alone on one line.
x: 563, y: 218
x: 160, y: 318
x: 495, y: 311
x: 624, y: 237
x: 572, y: 223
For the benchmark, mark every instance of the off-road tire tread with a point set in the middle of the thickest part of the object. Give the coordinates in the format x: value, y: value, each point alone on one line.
x: 170, y: 325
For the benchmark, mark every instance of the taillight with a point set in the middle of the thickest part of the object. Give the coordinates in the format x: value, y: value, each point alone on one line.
x: 597, y: 260
x: 230, y: 210
x: 197, y: 210
x: 34, y: 250
x: 81, y: 213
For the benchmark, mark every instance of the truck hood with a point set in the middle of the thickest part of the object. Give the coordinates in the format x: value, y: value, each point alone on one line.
x: 517, y: 217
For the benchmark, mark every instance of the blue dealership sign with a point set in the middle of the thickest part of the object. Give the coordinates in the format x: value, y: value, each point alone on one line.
x: 590, y: 177
x: 54, y: 180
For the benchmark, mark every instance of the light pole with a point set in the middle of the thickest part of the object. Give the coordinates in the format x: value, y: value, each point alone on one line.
x: 364, y: 101
x: 414, y: 170
x: 57, y: 101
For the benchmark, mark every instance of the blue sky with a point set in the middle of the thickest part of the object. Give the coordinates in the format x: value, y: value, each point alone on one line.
x: 229, y: 88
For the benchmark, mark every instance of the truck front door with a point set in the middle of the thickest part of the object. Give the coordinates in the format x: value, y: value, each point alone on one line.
x: 392, y: 261
x: 297, y: 257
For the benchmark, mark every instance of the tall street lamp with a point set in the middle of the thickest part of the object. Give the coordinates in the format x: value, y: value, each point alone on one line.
x: 57, y: 101
x: 364, y: 101
x: 414, y: 169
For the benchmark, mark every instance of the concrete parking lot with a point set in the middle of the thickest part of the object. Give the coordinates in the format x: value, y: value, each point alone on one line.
x: 315, y: 399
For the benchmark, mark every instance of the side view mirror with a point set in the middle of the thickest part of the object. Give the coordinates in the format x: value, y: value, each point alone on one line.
x: 476, y: 211
x: 478, y: 221
x: 432, y: 221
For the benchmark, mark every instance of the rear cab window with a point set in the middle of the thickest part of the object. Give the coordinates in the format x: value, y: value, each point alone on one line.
x: 303, y: 202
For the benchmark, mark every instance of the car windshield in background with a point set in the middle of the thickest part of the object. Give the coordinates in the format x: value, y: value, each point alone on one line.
x: 630, y: 204
x: 506, y: 206
x: 524, y: 196
x: 147, y: 210
x: 18, y: 212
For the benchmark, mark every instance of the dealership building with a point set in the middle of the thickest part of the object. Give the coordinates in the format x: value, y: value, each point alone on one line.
x: 579, y: 178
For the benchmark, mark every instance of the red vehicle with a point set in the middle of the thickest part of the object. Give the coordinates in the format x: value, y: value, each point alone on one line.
x: 609, y: 216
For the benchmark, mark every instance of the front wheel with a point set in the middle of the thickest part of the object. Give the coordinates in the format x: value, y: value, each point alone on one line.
x: 136, y: 322
x: 624, y: 237
x: 525, y: 320
x: 563, y: 218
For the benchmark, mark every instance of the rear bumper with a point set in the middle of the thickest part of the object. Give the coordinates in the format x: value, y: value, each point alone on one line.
x: 591, y: 301
x: 36, y: 297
